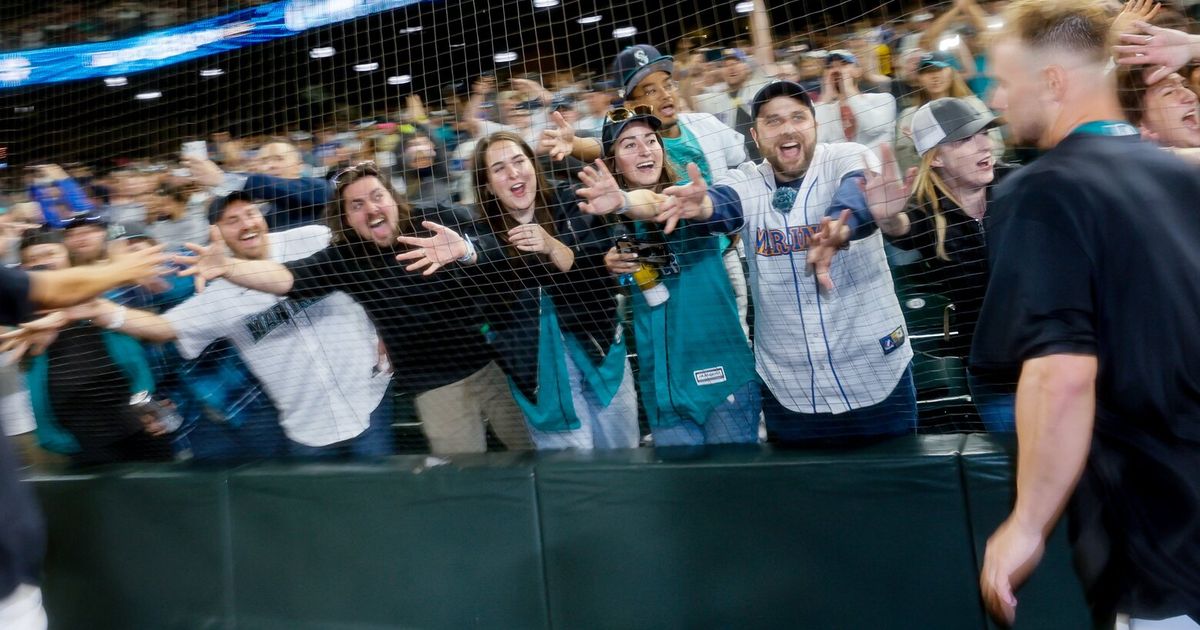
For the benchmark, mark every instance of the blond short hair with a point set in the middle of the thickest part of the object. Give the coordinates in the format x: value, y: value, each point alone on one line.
x: 1078, y: 26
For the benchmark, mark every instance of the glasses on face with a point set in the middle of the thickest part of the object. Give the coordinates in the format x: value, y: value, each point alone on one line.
x: 622, y: 114
x: 362, y: 168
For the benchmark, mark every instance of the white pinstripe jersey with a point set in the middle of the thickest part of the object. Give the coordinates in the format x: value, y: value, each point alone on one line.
x: 819, y: 353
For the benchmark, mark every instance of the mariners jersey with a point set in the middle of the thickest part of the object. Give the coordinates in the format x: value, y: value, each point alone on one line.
x: 819, y: 352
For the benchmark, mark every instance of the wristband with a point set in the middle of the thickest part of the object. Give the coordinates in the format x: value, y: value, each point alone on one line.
x: 117, y: 320
x: 624, y: 204
x: 466, y: 258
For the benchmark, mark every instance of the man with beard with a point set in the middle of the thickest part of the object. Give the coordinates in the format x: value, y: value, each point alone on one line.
x: 86, y: 238
x: 831, y: 349
x: 1095, y: 282
x: 332, y: 406
x: 429, y: 324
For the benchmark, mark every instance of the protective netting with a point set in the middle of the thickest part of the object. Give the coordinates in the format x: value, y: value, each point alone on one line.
x: 309, y: 135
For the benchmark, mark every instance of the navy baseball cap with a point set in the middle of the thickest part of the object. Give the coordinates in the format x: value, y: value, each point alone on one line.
x: 638, y: 62
x: 217, y: 207
x: 612, y: 130
x: 779, y: 88
x: 128, y: 230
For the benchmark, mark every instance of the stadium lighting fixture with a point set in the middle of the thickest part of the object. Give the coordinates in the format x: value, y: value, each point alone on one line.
x: 505, y: 57
x: 544, y: 4
x: 458, y: 45
x: 370, y: 66
x: 744, y: 7
x: 148, y: 96
x: 624, y: 31
x: 321, y: 52
x: 211, y: 72
x: 995, y: 22
x: 400, y: 79
x: 116, y: 81
x: 590, y: 19
x: 412, y: 29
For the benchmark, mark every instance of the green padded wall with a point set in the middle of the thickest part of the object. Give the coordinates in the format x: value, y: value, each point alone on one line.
x: 1053, y: 597
x: 134, y: 549
x: 870, y: 538
x: 387, y: 546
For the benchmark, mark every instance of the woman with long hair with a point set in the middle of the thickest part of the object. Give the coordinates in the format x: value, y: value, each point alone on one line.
x: 936, y: 79
x: 944, y: 220
x: 695, y: 365
x: 551, y: 305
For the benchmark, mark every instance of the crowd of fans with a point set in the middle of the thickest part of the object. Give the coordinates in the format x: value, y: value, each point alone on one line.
x: 590, y: 261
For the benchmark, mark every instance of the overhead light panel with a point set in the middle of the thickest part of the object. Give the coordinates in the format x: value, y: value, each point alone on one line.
x: 148, y: 96
x: 369, y: 66
x: 590, y: 19
x: 211, y: 72
x: 505, y: 57
x: 624, y: 31
x: 401, y: 79
x: 322, y: 52
x: 744, y: 7
x: 116, y: 81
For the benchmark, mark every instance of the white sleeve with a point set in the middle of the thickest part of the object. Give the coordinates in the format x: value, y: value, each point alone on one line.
x: 199, y: 321
x: 829, y: 123
x: 713, y: 103
x: 309, y: 240
x: 735, y: 149
x: 875, y: 115
x: 850, y: 157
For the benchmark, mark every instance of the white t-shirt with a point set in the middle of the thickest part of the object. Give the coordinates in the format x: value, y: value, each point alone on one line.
x: 315, y: 358
x: 819, y: 353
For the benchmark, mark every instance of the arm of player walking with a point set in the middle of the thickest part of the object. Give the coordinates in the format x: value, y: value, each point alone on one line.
x: 1156, y: 46
x: 210, y: 263
x: 1056, y: 408
x: 688, y: 202
x: 824, y: 245
x: 604, y: 196
x: 431, y: 253
x: 886, y: 193
x: 559, y: 141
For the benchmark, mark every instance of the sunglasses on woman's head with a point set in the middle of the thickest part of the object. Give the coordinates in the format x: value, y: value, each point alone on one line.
x: 362, y: 168
x: 622, y: 114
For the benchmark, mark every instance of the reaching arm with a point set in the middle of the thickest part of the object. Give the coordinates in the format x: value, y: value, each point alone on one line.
x: 67, y: 287
x: 760, y: 34
x: 1056, y: 408
x: 143, y: 325
x: 974, y: 14
x: 939, y: 26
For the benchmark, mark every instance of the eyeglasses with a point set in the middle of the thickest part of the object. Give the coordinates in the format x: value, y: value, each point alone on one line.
x: 362, y: 168
x: 621, y: 114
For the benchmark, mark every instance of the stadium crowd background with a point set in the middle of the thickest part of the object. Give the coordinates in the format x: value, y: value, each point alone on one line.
x: 88, y: 168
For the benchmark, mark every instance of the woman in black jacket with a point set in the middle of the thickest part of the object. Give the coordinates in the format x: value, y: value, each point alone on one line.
x: 551, y: 304
x: 944, y: 220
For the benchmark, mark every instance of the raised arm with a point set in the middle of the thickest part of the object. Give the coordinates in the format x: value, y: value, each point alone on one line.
x: 67, y: 287
x: 559, y: 141
x: 603, y: 196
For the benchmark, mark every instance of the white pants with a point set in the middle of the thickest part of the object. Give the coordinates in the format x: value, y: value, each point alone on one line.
x: 22, y: 610
x: 1182, y: 622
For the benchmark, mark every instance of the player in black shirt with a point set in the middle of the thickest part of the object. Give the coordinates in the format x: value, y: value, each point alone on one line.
x: 1094, y: 290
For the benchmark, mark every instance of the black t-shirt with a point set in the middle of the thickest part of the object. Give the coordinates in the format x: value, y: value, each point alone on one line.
x: 89, y: 394
x: 1095, y: 249
x: 963, y: 277
x: 22, y: 541
x: 429, y: 324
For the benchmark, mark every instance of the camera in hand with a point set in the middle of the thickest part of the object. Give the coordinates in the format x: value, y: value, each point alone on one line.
x: 656, y: 260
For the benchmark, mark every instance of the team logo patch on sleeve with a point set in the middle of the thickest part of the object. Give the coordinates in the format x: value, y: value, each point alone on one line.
x: 710, y: 376
x: 894, y: 340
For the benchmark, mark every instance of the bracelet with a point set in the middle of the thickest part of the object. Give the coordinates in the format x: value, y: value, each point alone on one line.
x: 466, y: 258
x: 625, y: 204
x: 117, y: 320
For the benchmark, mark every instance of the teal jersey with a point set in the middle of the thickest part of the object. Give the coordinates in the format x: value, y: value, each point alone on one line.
x: 686, y: 150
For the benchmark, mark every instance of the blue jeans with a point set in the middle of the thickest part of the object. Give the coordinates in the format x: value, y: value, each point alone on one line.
x: 997, y: 406
x: 375, y: 442
x: 894, y: 415
x: 257, y: 436
x: 733, y: 422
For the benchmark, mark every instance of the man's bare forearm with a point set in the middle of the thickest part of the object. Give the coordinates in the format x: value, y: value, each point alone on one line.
x: 68, y: 287
x: 267, y: 276
x: 1056, y: 408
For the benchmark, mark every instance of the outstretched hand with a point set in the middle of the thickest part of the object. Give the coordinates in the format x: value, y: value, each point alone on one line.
x: 689, y: 201
x: 600, y: 189
x: 33, y: 337
x: 823, y: 245
x: 886, y: 192
x: 557, y: 141
x: 432, y: 252
x: 1167, y: 49
x: 208, y: 263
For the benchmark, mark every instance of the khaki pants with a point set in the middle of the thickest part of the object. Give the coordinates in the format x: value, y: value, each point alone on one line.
x: 453, y: 416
